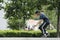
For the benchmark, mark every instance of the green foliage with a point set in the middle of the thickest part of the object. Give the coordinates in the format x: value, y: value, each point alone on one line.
x: 1, y: 0
x: 18, y: 10
x: 50, y: 7
x: 15, y: 24
x: 22, y: 33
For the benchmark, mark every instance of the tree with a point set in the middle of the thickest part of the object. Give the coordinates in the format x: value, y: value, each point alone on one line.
x: 58, y: 21
x: 17, y: 11
x: 1, y: 1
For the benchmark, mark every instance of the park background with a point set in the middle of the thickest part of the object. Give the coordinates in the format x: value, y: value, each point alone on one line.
x: 16, y: 12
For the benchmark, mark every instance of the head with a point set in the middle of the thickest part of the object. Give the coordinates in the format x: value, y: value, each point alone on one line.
x: 37, y: 12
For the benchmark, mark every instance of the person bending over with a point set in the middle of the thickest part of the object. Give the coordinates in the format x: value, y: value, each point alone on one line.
x: 46, y: 22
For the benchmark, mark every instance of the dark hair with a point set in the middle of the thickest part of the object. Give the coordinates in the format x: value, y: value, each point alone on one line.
x: 37, y: 12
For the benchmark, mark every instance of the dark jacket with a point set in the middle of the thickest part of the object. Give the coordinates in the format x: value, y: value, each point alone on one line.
x: 44, y: 17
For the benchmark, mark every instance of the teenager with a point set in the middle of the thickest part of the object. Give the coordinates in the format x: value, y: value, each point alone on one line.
x: 46, y: 22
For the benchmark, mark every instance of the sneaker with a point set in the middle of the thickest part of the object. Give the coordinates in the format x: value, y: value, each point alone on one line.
x: 47, y: 34
x: 44, y: 35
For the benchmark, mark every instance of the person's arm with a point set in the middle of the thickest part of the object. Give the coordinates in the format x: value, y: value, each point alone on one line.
x: 38, y: 22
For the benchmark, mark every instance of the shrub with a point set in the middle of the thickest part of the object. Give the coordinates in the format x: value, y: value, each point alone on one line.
x: 22, y: 33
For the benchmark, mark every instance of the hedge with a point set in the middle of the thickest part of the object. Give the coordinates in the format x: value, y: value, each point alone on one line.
x: 23, y: 33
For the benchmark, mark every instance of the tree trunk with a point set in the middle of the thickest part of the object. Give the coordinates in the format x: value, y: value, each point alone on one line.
x: 58, y: 25
x: 58, y: 21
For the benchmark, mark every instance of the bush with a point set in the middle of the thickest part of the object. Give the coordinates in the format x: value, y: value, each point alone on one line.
x: 22, y: 33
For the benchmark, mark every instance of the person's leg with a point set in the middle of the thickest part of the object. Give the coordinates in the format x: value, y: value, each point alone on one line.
x: 45, y: 26
x: 41, y: 28
x: 45, y: 32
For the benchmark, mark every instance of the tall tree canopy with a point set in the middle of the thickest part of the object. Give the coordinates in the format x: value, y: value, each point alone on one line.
x: 17, y: 11
x: 1, y: 1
